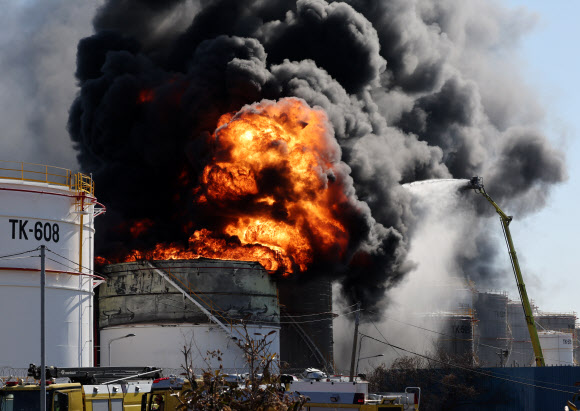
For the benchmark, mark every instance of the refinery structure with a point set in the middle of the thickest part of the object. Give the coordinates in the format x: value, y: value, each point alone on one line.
x: 149, y: 312
x: 490, y: 328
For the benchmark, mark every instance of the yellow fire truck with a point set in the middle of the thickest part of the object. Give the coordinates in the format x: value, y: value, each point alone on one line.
x: 81, y: 389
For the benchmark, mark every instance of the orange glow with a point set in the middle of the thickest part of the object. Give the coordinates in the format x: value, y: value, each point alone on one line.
x: 145, y: 96
x: 140, y: 227
x: 274, y: 176
x: 101, y: 260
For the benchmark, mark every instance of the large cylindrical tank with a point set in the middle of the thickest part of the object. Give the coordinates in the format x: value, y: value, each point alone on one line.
x: 521, y: 353
x: 557, y: 347
x: 148, y: 312
x: 577, y: 346
x: 43, y: 205
x: 564, y: 322
x: 306, y: 314
x: 491, y: 331
x: 456, y: 339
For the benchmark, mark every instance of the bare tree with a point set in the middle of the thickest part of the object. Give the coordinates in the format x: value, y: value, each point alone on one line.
x: 260, y: 390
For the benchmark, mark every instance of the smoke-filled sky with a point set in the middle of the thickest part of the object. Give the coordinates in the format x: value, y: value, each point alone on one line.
x: 413, y: 90
x: 547, y: 240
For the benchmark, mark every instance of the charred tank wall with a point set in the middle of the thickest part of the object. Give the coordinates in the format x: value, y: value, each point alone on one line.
x: 135, y: 293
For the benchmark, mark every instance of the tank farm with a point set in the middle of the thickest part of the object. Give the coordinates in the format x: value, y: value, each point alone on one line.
x: 150, y: 310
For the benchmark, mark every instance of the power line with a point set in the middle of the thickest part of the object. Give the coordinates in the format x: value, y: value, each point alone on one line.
x: 381, y: 334
x: 481, y: 344
x: 294, y: 322
x: 23, y: 252
x: 20, y: 258
x: 74, y: 269
x: 470, y: 369
x: 325, y: 312
x: 476, y: 343
x: 446, y: 335
x: 75, y: 263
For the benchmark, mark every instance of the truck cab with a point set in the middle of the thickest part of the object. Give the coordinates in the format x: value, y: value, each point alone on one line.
x: 27, y: 397
x: 162, y: 395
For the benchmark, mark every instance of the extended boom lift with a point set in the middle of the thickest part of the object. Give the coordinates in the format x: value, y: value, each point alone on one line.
x: 476, y: 183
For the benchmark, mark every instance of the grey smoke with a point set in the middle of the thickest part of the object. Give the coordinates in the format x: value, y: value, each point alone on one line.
x: 38, y: 42
x: 415, y: 90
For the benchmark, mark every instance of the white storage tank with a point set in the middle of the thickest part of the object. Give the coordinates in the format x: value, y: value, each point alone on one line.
x: 163, y: 344
x: 44, y: 205
x: 150, y: 311
x: 557, y: 347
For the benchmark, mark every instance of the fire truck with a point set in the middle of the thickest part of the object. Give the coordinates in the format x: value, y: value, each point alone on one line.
x: 334, y: 393
x: 162, y: 396
x: 338, y: 394
x: 81, y: 389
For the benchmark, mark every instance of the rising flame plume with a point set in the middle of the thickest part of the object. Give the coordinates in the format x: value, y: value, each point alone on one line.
x: 276, y: 178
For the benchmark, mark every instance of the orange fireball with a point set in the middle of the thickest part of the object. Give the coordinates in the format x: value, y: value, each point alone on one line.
x: 275, y: 180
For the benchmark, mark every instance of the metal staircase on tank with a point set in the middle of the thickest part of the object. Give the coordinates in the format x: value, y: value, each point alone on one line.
x: 188, y: 293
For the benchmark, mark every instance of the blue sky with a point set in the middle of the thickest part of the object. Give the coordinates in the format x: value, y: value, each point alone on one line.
x: 546, y: 242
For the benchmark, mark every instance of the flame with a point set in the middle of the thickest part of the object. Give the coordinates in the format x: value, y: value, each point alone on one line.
x: 101, y: 260
x: 145, y: 96
x: 140, y: 227
x: 276, y: 184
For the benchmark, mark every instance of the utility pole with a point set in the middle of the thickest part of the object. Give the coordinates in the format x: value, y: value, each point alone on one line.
x: 354, y: 342
x: 42, y: 336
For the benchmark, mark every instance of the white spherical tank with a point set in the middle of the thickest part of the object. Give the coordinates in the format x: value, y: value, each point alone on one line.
x: 50, y: 206
x: 557, y: 347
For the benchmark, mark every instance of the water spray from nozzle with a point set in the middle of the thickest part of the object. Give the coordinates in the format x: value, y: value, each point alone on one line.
x: 476, y: 183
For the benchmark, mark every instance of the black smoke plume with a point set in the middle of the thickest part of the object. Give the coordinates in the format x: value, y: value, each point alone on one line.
x: 414, y: 90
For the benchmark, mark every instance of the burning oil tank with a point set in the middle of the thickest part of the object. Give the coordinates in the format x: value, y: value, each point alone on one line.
x: 150, y: 311
x: 491, y: 333
x: 307, y: 333
x: 50, y: 206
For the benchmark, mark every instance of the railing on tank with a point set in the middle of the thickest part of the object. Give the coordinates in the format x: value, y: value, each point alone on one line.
x: 84, y: 183
x: 39, y: 173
